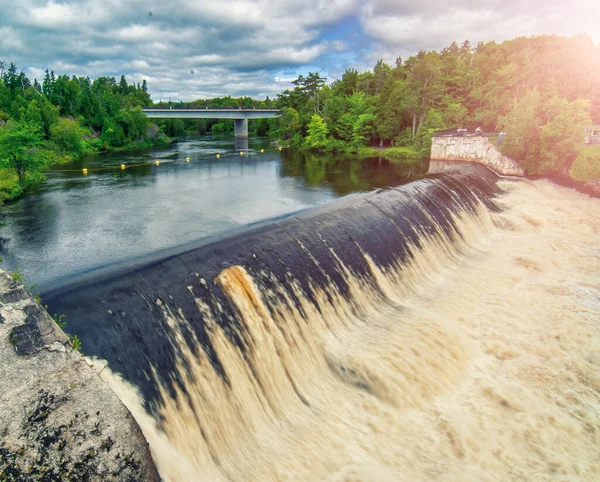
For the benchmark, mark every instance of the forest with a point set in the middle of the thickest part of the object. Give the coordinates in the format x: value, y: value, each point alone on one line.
x: 541, y: 91
x: 64, y: 118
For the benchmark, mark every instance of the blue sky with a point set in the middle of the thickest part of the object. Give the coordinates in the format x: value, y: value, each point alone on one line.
x: 196, y: 49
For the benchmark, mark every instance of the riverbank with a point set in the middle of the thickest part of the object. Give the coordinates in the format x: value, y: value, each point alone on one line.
x: 9, y: 182
x: 397, y: 155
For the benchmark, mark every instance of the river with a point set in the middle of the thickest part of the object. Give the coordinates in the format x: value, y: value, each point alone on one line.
x: 75, y: 223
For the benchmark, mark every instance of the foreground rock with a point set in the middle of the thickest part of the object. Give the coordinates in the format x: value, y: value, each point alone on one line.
x: 58, y: 420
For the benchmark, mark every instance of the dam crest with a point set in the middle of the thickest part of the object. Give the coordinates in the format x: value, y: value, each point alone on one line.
x: 315, y: 345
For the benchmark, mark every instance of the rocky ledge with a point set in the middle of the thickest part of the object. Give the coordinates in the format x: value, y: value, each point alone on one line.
x: 58, y: 419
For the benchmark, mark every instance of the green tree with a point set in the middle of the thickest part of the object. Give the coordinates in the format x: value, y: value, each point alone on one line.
x: 561, y: 137
x: 521, y: 125
x: 424, y: 75
x: 348, y: 84
x: 545, y: 136
x: 20, y: 150
x: 67, y: 136
x: 393, y: 110
x: 134, y: 123
x: 112, y: 133
x: 289, y: 123
x: 317, y: 133
x: 381, y: 71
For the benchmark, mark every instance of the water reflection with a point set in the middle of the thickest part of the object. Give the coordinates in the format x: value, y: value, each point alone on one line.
x: 241, y: 144
x: 75, y: 223
x: 345, y: 175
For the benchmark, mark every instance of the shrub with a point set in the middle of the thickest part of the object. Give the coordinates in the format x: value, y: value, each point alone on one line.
x: 587, y: 165
x: 402, y: 154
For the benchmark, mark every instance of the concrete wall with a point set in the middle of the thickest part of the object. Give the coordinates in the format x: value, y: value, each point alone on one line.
x: 471, y: 149
x: 58, y: 419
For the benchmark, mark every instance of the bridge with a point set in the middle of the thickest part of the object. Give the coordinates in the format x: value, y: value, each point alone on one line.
x: 238, y: 116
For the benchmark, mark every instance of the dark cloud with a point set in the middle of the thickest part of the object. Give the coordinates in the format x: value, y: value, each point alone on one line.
x: 191, y: 49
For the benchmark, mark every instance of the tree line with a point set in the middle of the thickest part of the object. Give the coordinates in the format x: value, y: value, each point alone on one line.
x: 541, y: 91
x: 64, y: 118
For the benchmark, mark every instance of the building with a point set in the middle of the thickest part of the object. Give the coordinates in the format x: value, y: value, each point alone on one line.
x: 593, y: 133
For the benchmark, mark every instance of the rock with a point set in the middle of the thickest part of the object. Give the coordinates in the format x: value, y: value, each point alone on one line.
x: 16, y: 294
x: 58, y: 419
x: 56, y: 346
x: 26, y: 338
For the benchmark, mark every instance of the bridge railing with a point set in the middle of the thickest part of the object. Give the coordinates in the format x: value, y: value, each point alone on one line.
x: 265, y: 109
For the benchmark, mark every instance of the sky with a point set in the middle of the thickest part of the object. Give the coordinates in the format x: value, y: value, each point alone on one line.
x: 196, y: 49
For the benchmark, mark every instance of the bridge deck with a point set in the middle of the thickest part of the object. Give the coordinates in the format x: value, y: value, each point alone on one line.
x: 212, y: 113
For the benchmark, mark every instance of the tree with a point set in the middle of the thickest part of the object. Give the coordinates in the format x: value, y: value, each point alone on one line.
x: 66, y: 134
x: 380, y: 73
x: 521, y: 125
x: 134, y: 123
x: 112, y: 133
x: 393, y: 111
x: 317, y: 133
x: 47, y: 84
x: 348, y: 84
x: 363, y: 128
x: 123, y: 87
x: 424, y: 72
x: 289, y: 123
x: 20, y: 150
x: 545, y: 136
x: 356, y: 124
x: 454, y: 114
x: 561, y: 137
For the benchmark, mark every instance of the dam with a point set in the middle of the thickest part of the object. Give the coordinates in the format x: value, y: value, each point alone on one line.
x: 445, y: 329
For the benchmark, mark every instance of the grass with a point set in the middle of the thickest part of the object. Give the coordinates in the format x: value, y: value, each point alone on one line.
x: 401, y: 154
x: 17, y: 275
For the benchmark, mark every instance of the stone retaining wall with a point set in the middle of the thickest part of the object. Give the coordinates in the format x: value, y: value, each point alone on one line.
x: 472, y: 149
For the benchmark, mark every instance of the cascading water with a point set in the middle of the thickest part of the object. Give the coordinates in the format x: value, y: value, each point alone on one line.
x: 446, y: 329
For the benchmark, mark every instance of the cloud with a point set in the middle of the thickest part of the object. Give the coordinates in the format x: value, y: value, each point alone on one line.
x: 190, y: 49
x: 184, y: 49
x: 403, y: 27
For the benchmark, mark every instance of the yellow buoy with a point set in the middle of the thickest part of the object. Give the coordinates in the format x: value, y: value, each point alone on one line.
x: 262, y: 150
x: 122, y: 166
x: 280, y: 147
x: 157, y: 163
x: 84, y: 170
x: 218, y: 156
x: 187, y: 159
x: 241, y: 153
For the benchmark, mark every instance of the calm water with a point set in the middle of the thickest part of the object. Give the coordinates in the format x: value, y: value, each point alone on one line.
x: 75, y: 223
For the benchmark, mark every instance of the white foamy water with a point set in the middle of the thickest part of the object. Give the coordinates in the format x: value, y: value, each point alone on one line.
x: 479, y: 361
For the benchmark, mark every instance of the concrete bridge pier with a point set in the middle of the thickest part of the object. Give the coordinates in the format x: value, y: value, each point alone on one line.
x: 241, y: 143
x: 240, y: 128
